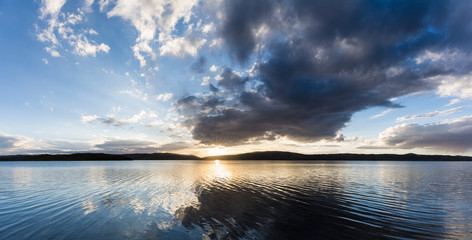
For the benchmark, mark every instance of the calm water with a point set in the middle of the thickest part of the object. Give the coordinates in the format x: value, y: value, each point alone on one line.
x: 235, y: 200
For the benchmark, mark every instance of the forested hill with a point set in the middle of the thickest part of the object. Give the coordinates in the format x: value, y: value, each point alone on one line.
x: 245, y: 156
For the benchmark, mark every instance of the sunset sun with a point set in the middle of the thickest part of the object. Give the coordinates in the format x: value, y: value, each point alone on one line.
x: 216, y: 151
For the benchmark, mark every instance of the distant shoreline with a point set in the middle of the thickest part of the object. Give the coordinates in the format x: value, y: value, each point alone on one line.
x: 272, y: 155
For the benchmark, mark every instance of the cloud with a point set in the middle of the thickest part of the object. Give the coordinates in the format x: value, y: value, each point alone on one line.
x: 208, y: 28
x: 381, y: 114
x: 139, y: 146
x: 14, y: 144
x: 127, y: 146
x: 88, y: 5
x: 449, y: 135
x: 141, y: 116
x: 175, y: 146
x: 164, y: 97
x: 181, y: 47
x: 54, y: 146
x: 104, y: 4
x: 454, y: 101
x: 62, y: 25
x: 53, y: 52
x: 432, y: 114
x: 7, y: 142
x: 136, y: 93
x: 318, y: 63
x: 112, y: 120
x: 455, y: 86
x: 83, y: 47
x: 88, y: 118
x: 216, y: 43
x: 205, y: 81
x: 230, y: 80
x: 213, y: 68
x: 151, y: 16
x: 241, y: 20
x: 51, y: 7
x: 137, y: 89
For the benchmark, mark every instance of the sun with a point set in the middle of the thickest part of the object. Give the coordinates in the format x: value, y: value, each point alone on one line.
x: 215, y: 151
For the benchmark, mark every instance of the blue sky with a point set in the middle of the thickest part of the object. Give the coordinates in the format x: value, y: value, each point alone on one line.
x: 216, y: 77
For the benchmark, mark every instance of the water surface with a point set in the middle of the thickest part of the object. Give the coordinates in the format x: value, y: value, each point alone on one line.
x: 235, y: 200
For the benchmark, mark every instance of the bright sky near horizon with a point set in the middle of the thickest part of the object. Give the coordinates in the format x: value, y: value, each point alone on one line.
x: 211, y: 77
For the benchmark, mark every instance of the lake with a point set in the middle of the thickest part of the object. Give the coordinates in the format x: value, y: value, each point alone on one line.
x: 236, y: 200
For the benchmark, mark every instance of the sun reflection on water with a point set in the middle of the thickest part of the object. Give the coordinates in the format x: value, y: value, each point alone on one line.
x: 219, y: 170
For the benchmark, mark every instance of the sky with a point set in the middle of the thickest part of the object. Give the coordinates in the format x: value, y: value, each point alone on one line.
x: 210, y: 77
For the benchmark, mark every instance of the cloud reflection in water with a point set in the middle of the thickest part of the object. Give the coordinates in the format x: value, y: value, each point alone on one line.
x: 234, y: 200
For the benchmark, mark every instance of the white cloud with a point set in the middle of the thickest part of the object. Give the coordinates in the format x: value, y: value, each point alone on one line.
x: 381, y: 114
x: 127, y: 146
x: 88, y: 118
x: 181, y: 47
x: 454, y: 101
x: 449, y: 135
x: 429, y: 56
x: 208, y: 28
x: 164, y: 97
x: 51, y: 7
x: 151, y: 16
x: 88, y: 4
x: 216, y: 43
x: 213, y: 68
x: 104, y: 4
x: 431, y: 114
x: 24, y: 145
x: 206, y: 81
x: 112, y: 120
x: 83, y: 47
x: 53, y: 52
x: 62, y: 25
x: 116, y: 145
x: 449, y: 60
x: 455, y: 86
x: 136, y: 93
x: 12, y: 144
x: 137, y: 117
x: 45, y: 61
x: 218, y: 77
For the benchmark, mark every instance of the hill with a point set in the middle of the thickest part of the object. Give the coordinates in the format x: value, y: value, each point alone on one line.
x: 343, y: 156
x: 273, y: 155
x: 66, y: 157
x: 161, y: 156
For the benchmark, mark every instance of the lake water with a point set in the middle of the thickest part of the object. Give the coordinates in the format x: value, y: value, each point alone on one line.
x: 235, y: 200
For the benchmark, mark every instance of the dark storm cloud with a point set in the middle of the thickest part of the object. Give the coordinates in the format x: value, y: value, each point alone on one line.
x: 322, y: 61
x: 241, y: 18
x: 455, y: 135
x: 230, y: 80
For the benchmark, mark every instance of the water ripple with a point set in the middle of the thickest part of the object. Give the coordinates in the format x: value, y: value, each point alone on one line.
x: 235, y: 200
